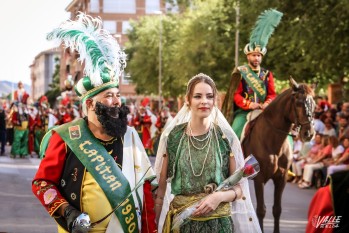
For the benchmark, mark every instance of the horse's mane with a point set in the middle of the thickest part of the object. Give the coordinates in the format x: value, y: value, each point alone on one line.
x: 285, y: 94
x: 307, y: 89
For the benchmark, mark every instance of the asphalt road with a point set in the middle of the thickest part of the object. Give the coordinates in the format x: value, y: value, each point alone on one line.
x: 21, y: 212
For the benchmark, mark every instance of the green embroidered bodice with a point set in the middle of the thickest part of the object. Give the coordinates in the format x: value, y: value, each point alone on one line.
x: 216, y: 167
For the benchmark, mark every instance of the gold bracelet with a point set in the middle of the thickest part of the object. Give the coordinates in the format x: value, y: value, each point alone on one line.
x: 156, y: 204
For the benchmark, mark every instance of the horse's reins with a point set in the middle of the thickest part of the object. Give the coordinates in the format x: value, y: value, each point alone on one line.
x: 297, y: 122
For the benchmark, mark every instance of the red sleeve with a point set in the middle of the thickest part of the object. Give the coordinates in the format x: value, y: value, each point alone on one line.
x: 14, y: 119
x: 147, y: 119
x: 136, y: 121
x: 158, y: 123
x: 320, y: 206
x: 148, y: 214
x: 239, y: 100
x: 271, y: 88
x: 15, y: 95
x: 47, y: 178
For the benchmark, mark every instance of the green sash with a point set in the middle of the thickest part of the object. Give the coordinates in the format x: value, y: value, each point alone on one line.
x: 253, y: 81
x: 104, y: 170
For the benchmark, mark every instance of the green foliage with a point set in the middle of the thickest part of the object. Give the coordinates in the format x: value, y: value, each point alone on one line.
x: 310, y: 43
x: 54, y: 90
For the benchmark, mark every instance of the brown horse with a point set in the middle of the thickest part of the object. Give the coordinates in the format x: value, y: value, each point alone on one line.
x: 267, y: 134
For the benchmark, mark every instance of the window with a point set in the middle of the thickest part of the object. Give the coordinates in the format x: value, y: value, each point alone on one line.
x: 151, y: 6
x: 94, y: 6
x: 126, y: 78
x: 126, y: 26
x: 119, y: 6
x: 110, y: 26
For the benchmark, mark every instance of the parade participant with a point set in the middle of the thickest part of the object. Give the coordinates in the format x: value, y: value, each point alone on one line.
x: 199, y: 148
x: 162, y: 121
x: 31, y: 128
x: 63, y: 115
x: 2, y: 130
x: 95, y: 175
x: 41, y: 126
x: 143, y: 122
x: 9, y: 125
x: 19, y: 119
x: 252, y: 86
x: 328, y: 210
x: 20, y: 95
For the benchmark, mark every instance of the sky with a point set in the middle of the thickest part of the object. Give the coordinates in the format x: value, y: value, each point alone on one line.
x: 24, y: 25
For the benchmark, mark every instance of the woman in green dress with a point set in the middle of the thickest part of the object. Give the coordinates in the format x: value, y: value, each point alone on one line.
x: 198, y: 151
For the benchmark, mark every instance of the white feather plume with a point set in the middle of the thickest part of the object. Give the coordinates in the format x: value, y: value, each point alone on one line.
x: 97, y: 47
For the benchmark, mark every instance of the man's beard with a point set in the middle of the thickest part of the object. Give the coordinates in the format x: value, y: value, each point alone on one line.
x: 112, y: 119
x: 254, y: 64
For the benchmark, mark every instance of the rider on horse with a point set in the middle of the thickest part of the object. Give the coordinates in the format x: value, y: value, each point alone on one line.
x: 252, y: 87
x: 255, y: 90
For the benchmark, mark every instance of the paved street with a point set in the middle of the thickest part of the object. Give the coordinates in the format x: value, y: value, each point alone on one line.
x: 21, y: 212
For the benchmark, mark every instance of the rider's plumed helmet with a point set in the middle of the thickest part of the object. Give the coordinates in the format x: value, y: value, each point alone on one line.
x: 262, y: 31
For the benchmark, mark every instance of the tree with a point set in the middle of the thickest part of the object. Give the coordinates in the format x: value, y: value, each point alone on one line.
x: 310, y: 43
x: 54, y: 90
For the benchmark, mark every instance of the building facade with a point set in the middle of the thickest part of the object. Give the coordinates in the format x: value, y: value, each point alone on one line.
x: 116, y: 16
x: 42, y: 70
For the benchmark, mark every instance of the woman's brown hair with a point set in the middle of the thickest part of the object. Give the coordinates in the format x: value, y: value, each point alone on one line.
x: 198, y: 79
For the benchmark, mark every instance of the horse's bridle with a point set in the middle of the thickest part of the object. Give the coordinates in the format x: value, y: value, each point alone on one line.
x: 308, y: 105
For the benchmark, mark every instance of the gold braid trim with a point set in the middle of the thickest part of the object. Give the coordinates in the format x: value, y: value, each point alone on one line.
x: 96, y: 88
x: 52, y: 208
x: 180, y: 202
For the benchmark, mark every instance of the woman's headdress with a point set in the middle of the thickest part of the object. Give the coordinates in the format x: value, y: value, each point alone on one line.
x: 104, y: 60
x: 264, y: 27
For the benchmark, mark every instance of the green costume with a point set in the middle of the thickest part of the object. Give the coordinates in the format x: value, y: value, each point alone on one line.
x: 20, y: 143
x: 214, y: 170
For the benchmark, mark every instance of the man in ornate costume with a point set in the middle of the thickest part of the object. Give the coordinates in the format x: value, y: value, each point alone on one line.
x: 19, y: 118
x: 31, y: 128
x: 20, y: 95
x: 41, y: 126
x: 144, y: 122
x: 95, y: 175
x: 252, y: 86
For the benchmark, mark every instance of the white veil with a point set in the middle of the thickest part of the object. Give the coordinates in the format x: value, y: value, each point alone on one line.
x: 243, y: 213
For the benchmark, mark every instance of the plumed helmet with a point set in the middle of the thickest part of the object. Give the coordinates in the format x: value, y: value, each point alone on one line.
x: 103, y: 57
x: 264, y: 27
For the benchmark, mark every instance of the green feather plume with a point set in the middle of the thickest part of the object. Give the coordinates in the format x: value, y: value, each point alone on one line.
x: 97, y: 47
x: 264, y: 27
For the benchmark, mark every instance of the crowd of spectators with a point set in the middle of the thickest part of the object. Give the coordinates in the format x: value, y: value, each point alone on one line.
x: 328, y: 151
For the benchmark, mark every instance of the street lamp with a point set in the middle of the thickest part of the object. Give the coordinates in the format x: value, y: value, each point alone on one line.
x: 160, y: 59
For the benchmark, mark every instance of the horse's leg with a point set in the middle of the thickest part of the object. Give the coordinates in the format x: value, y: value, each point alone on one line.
x: 279, y: 184
x: 259, y: 191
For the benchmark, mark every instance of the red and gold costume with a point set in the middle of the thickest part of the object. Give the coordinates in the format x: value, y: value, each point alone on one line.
x: 62, y: 178
x: 143, y: 123
x: 31, y: 139
x: 244, y: 94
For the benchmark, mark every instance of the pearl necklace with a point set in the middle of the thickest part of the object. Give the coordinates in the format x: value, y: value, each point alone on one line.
x: 197, y: 139
x: 206, y: 156
x: 208, y: 136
